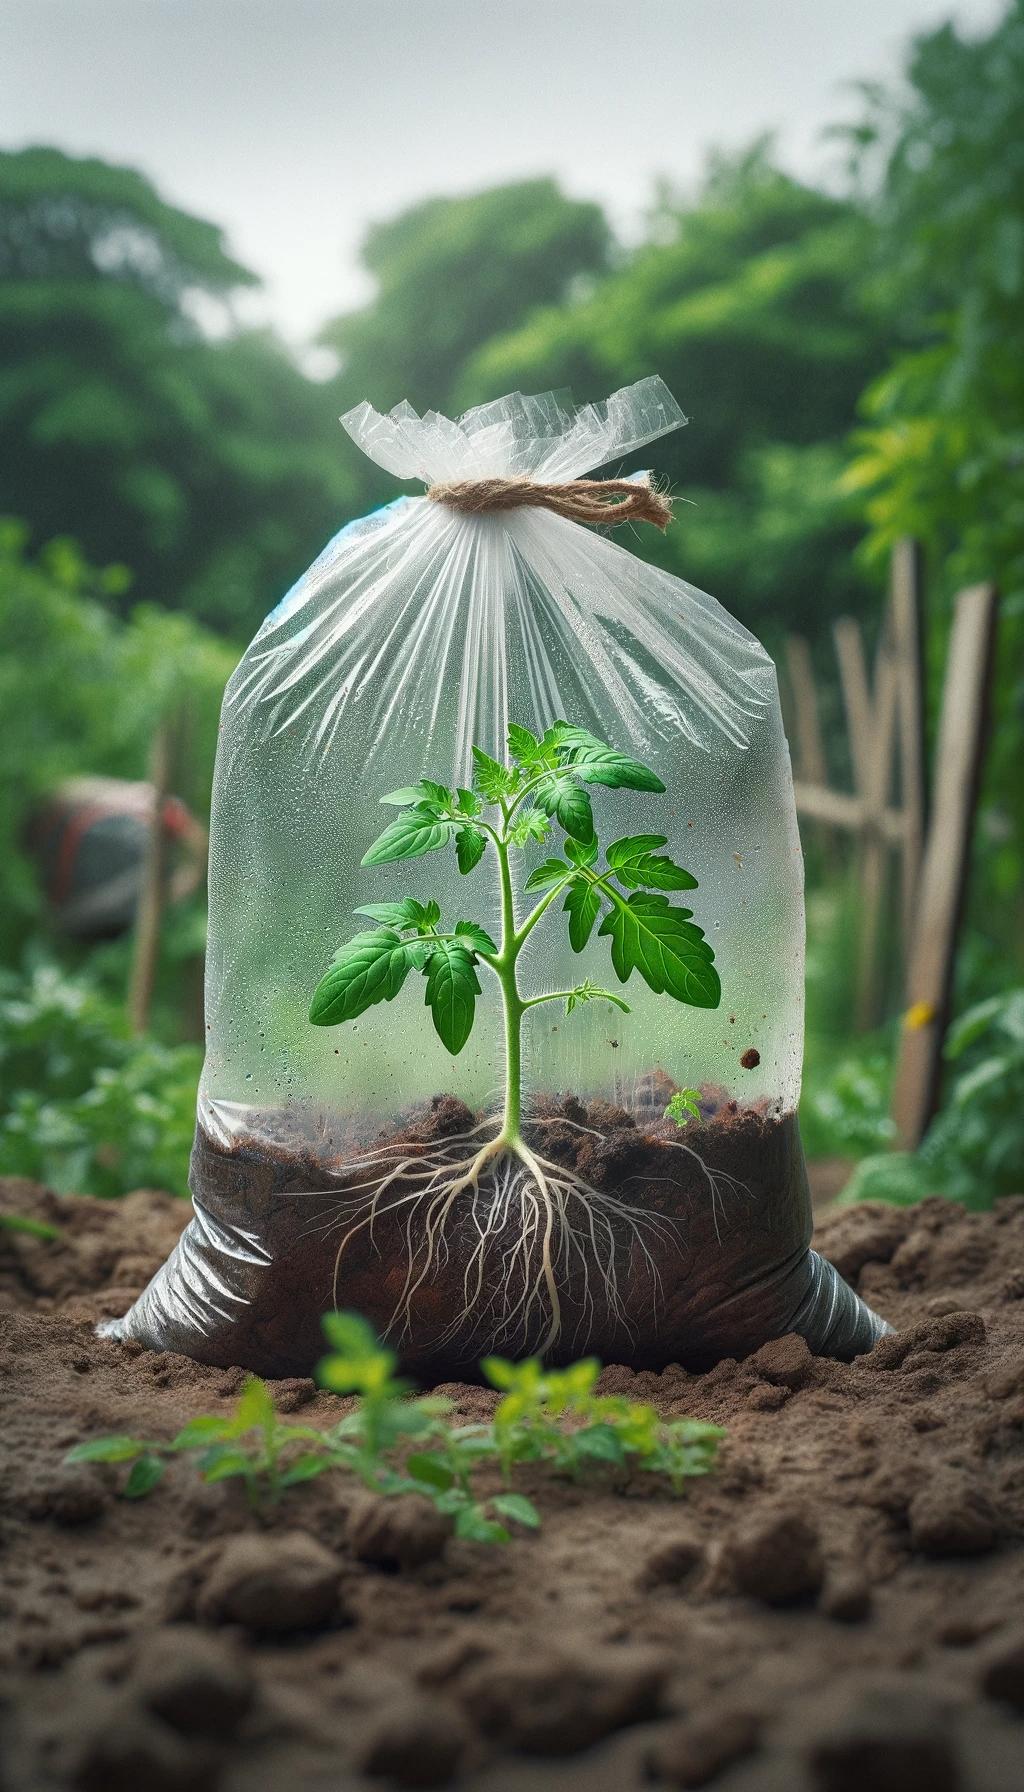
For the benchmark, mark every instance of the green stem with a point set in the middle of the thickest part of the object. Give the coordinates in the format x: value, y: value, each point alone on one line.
x: 504, y: 967
x: 531, y: 920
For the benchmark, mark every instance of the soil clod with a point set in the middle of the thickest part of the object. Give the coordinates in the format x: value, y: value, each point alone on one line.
x: 420, y: 1741
x: 1002, y: 1675
x: 401, y: 1533
x: 272, y: 1588
x: 950, y: 1517
x: 544, y: 1703
x: 888, y: 1739
x: 194, y: 1681
x: 775, y: 1557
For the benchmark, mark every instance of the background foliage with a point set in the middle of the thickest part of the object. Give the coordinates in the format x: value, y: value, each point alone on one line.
x: 852, y: 361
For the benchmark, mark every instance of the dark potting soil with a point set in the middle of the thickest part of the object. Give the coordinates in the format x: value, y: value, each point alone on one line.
x: 836, y: 1608
x: 682, y: 1245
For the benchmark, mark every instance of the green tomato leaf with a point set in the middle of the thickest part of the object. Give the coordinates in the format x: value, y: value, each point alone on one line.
x: 666, y: 947
x: 469, y: 848
x: 531, y: 825
x: 225, y: 1463
x: 570, y: 806
x: 145, y: 1473
x: 305, y: 1468
x: 207, y: 1428
x: 472, y: 1524
x: 429, y: 1467
x: 523, y: 746
x: 255, y: 1407
x: 371, y: 968
x: 582, y: 905
x: 683, y: 1107
x: 500, y: 1372
x: 551, y: 872
x: 403, y: 915
x: 581, y: 852
x: 436, y: 796
x: 491, y: 779
x: 468, y: 803
x: 598, y: 1443
x: 107, y: 1449
x: 355, y: 1338
x: 475, y: 936
x: 596, y: 763
x: 418, y: 831
x: 517, y: 1507
x: 452, y: 989
x: 635, y: 863
x: 404, y: 798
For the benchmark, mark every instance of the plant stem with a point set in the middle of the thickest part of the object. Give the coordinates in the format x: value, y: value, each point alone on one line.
x: 504, y: 967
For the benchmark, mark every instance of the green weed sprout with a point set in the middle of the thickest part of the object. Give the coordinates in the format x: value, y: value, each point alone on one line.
x: 542, y: 785
x: 683, y: 1107
x: 396, y: 1444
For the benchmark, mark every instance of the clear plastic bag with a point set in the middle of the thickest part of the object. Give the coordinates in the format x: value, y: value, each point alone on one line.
x: 327, y: 1162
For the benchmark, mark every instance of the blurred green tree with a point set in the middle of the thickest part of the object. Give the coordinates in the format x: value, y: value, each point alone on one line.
x: 754, y: 303
x: 211, y: 467
x: 941, y: 451
x: 452, y: 273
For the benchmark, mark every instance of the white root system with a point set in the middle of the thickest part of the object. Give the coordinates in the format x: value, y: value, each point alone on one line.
x: 531, y: 1221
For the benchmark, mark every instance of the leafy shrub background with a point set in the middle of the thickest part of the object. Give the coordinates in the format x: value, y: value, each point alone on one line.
x: 88, y: 1107
x: 972, y: 1151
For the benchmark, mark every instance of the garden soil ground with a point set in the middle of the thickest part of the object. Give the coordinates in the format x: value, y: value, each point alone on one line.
x: 840, y: 1607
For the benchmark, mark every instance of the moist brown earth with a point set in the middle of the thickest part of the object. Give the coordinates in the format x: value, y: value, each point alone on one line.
x: 707, y: 1227
x: 839, y: 1607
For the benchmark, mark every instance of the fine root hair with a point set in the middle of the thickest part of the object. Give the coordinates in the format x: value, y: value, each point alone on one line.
x: 525, y: 1228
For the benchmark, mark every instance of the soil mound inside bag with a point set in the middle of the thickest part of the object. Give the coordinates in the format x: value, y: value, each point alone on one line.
x: 419, y: 633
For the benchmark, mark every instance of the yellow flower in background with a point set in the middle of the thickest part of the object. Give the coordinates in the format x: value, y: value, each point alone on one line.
x: 918, y: 1015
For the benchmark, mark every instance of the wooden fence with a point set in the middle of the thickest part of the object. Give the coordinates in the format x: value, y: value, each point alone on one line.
x: 901, y: 818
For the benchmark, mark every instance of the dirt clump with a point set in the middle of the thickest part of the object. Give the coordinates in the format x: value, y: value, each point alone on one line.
x: 775, y: 1557
x: 890, y: 1739
x: 197, y: 1682
x: 547, y: 1702
x: 397, y: 1533
x: 952, y: 1517
x: 293, y: 1586
x: 419, y: 1741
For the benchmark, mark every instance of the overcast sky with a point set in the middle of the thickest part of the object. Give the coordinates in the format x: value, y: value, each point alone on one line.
x: 294, y: 123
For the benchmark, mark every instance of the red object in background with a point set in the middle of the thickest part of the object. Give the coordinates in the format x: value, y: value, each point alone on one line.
x: 89, y: 841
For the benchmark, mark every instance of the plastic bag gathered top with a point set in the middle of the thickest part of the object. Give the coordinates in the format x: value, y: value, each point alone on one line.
x: 545, y: 1096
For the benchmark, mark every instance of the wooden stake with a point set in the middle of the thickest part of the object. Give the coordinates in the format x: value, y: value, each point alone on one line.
x: 906, y: 599
x: 943, y: 885
x: 149, y: 913
x: 874, y: 850
x: 871, y: 722
x: 853, y: 679
x: 811, y: 764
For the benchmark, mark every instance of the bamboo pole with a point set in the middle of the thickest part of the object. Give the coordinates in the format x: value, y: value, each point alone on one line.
x: 149, y: 912
x: 959, y: 757
x: 906, y: 601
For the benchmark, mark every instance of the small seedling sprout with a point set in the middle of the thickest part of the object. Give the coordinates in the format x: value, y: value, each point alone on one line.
x: 684, y: 1106
x: 543, y: 784
x: 397, y: 1444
